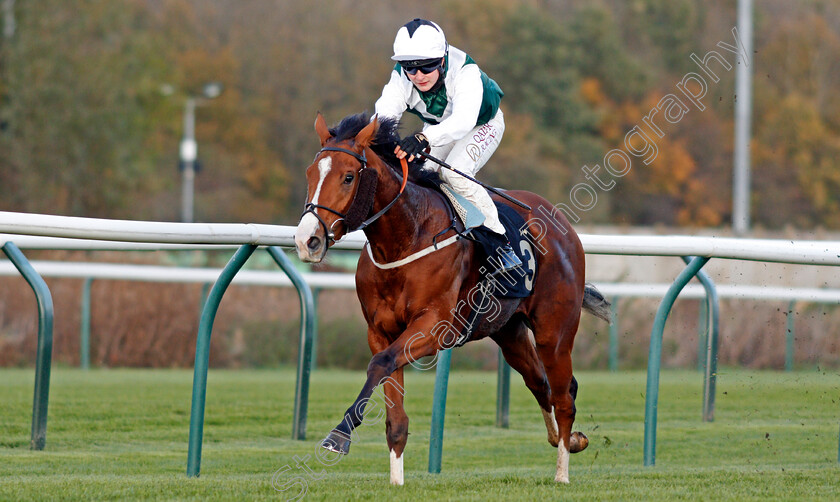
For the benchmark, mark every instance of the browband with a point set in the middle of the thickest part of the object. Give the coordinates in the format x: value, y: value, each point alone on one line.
x: 361, y: 158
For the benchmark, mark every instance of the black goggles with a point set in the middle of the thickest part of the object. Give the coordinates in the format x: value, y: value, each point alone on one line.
x: 425, y: 67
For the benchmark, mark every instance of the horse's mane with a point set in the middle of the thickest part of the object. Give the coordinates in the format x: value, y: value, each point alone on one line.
x: 387, y: 137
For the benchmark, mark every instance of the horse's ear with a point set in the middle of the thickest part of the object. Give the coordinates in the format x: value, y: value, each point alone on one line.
x: 366, y: 135
x: 322, y: 129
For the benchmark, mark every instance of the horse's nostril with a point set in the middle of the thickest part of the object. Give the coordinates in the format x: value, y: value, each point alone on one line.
x: 314, y: 243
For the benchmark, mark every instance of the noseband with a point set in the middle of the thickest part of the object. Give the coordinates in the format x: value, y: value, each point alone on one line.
x: 362, y: 201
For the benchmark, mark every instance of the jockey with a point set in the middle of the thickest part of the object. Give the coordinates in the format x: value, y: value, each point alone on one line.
x: 459, y: 105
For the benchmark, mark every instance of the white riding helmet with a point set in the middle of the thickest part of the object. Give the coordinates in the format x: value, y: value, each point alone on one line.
x: 419, y: 40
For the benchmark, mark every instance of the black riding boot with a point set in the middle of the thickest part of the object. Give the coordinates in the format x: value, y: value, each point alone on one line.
x: 508, y: 259
x: 498, y: 249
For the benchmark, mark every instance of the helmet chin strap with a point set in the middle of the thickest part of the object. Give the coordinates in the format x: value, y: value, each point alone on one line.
x: 437, y: 85
x: 441, y: 71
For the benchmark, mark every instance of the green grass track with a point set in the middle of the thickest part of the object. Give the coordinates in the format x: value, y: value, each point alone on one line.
x: 122, y: 434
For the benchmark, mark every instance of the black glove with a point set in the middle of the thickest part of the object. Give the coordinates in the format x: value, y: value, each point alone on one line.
x: 412, y: 145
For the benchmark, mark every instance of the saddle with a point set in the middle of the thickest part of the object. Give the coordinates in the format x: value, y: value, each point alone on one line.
x: 469, y: 215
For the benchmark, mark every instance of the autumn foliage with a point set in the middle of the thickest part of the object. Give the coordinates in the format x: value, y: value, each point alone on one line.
x: 86, y: 130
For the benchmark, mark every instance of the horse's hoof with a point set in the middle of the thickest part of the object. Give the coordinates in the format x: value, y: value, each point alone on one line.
x: 336, y: 441
x: 578, y: 442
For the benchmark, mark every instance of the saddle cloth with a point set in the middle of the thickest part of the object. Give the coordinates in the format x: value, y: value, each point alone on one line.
x: 519, y: 282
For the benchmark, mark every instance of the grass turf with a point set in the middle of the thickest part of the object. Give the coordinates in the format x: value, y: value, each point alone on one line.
x: 122, y: 434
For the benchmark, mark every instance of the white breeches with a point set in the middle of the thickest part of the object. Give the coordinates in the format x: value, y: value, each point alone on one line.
x: 468, y: 155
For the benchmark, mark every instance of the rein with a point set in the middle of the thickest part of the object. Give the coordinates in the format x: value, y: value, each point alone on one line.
x: 360, y: 206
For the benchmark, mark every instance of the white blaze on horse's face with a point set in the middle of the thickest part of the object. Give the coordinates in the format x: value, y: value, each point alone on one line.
x: 309, y: 225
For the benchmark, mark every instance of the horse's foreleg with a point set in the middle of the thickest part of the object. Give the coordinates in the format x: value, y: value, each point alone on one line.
x: 396, y: 425
x: 380, y: 368
x: 416, y: 342
x: 396, y: 422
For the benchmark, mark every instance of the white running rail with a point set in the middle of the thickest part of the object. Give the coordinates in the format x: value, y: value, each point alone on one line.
x: 767, y: 250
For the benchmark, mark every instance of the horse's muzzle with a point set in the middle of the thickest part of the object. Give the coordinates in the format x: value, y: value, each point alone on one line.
x: 312, y: 251
x: 310, y: 246
x: 314, y: 244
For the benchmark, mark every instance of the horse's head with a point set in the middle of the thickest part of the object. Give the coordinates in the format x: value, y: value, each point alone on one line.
x: 340, y: 190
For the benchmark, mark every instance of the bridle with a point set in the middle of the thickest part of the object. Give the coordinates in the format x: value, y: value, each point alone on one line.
x: 361, y: 206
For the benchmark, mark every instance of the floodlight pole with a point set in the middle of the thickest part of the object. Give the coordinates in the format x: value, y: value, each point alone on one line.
x: 743, y: 114
x: 189, y: 148
x: 189, y: 153
x: 8, y: 18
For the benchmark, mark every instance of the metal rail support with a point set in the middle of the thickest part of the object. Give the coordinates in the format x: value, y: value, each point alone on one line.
x: 503, y: 393
x: 316, y: 292
x: 84, y: 343
x: 790, y: 336
x: 307, y: 330
x: 202, y: 356
x: 205, y: 291
x: 444, y: 358
x: 43, y: 361
x: 655, y: 355
x: 712, y: 322
x: 613, y: 348
x: 702, y: 335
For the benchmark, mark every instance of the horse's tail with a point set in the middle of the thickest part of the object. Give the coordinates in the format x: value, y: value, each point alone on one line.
x: 595, y: 303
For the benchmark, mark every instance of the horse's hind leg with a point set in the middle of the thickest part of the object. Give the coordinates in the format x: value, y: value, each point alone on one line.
x: 554, y: 337
x: 519, y: 352
x: 578, y: 440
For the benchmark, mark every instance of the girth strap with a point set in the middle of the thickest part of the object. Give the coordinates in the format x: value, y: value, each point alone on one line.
x: 412, y: 257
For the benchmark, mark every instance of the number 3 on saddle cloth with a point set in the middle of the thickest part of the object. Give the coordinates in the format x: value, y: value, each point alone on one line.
x: 517, y: 283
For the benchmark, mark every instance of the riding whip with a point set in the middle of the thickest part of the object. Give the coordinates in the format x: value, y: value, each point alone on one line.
x: 488, y: 187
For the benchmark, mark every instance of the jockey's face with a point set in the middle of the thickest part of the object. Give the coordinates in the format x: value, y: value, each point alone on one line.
x: 424, y: 81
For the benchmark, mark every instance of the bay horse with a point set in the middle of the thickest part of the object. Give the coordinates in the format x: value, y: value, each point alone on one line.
x: 409, y: 303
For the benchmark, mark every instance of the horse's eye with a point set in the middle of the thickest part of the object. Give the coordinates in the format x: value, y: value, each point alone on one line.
x: 348, y: 179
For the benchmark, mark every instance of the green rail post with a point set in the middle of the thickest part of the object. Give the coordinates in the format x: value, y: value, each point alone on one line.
x: 205, y: 291
x: 613, y: 354
x: 314, y: 359
x: 307, y: 328
x: 789, y: 337
x: 702, y: 335
x: 43, y: 361
x: 439, y: 411
x: 503, y: 393
x: 84, y: 339
x: 710, y: 350
x: 655, y: 355
x: 202, y: 355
